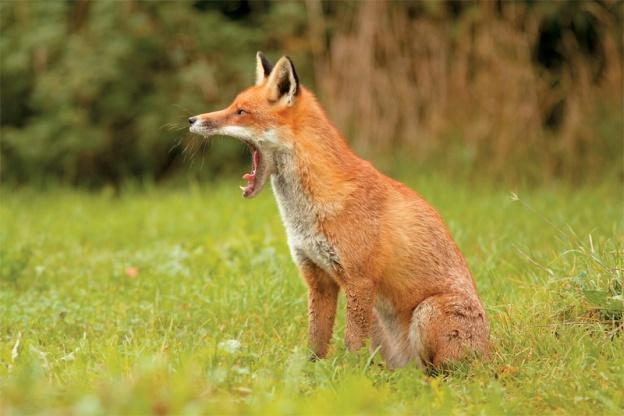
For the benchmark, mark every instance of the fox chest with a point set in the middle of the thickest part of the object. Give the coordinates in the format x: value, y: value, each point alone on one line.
x: 299, y: 215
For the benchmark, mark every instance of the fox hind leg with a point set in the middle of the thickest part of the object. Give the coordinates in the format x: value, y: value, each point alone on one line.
x: 446, y: 328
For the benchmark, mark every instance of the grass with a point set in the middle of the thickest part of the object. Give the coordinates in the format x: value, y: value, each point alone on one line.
x: 185, y: 301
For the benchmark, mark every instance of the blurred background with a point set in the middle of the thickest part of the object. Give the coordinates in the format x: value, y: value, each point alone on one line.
x: 97, y: 93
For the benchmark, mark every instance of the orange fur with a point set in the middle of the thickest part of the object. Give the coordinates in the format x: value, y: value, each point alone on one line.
x: 350, y: 227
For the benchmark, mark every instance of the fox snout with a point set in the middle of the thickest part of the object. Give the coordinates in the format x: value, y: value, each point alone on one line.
x: 203, y: 122
x: 203, y: 125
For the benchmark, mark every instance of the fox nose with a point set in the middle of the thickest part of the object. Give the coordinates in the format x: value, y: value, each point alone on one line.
x: 192, y: 120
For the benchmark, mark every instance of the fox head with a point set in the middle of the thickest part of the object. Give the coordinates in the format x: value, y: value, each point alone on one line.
x: 263, y: 116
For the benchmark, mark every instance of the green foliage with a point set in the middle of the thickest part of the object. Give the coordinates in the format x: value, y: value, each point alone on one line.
x: 93, y: 92
x: 186, y: 301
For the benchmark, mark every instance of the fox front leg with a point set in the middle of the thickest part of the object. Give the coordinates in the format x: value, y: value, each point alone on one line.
x: 322, y: 300
x: 360, y: 296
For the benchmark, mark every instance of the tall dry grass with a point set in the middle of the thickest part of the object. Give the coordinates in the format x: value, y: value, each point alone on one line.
x: 436, y: 80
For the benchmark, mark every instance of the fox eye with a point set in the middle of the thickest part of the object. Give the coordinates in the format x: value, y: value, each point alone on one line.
x: 240, y: 112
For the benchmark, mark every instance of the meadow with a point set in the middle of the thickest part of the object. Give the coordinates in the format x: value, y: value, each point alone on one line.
x: 183, y: 299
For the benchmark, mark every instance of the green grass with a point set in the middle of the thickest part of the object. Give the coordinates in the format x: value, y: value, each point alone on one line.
x: 215, y: 319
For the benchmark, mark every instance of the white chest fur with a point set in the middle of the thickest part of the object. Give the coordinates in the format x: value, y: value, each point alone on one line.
x: 299, y: 216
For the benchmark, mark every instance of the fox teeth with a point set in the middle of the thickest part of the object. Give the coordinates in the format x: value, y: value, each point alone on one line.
x: 242, y: 188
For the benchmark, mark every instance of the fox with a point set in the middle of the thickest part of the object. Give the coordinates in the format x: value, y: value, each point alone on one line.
x: 409, y: 294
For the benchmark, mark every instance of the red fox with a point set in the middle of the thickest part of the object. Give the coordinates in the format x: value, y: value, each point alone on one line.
x: 349, y: 227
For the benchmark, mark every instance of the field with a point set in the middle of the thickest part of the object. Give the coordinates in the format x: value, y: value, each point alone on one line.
x: 184, y: 300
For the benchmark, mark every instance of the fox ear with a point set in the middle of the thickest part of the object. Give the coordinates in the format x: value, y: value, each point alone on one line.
x: 283, y: 83
x: 263, y: 68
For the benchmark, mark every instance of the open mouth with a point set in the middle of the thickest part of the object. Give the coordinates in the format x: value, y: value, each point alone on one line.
x: 250, y: 177
x: 260, y: 167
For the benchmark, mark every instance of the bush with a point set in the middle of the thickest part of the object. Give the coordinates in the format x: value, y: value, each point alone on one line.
x: 94, y: 92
